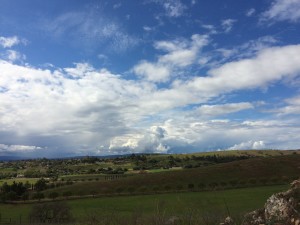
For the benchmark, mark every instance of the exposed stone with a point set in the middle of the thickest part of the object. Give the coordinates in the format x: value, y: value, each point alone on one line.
x: 280, y: 209
x: 172, y: 220
x: 256, y: 217
x: 295, y: 184
x: 228, y: 221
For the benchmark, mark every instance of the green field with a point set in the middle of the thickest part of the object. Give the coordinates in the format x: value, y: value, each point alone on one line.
x: 238, y: 201
x: 243, y: 173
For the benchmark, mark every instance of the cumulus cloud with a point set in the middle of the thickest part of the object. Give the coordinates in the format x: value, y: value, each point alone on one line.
x: 249, y: 145
x: 249, y: 73
x: 82, y: 107
x: 151, y: 141
x: 152, y: 72
x: 282, y: 10
x: 179, y: 54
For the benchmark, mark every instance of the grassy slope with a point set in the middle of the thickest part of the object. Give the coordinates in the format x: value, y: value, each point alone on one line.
x: 244, y: 170
x: 238, y: 201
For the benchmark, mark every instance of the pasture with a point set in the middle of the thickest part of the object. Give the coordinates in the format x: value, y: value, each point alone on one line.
x: 234, y: 202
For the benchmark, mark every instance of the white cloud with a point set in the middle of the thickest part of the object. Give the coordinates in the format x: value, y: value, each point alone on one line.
x: 179, y: 54
x: 8, y: 42
x: 214, y: 110
x: 250, y: 12
x: 292, y: 107
x: 13, y: 56
x: 146, y: 28
x: 82, y: 107
x: 90, y: 29
x: 152, y: 72
x: 227, y: 24
x: 210, y: 28
x: 268, y: 66
x: 245, y: 50
x: 80, y: 70
x: 173, y: 8
x: 91, y: 108
x: 249, y: 145
x: 150, y: 141
x: 18, y: 148
x: 282, y: 10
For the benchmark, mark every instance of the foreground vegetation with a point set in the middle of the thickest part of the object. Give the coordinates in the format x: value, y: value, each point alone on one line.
x: 238, y: 172
x: 198, y: 188
x: 202, y: 207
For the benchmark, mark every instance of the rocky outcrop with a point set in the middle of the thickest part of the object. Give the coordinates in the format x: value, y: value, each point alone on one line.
x: 280, y: 209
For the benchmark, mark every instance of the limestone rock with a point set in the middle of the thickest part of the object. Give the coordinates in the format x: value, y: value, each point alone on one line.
x: 256, y: 217
x: 281, y: 209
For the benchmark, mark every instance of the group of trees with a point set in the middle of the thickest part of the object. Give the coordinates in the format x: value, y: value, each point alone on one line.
x: 15, y: 191
x: 20, y: 191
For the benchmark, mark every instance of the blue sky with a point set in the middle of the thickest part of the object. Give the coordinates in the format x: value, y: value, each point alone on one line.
x: 173, y: 76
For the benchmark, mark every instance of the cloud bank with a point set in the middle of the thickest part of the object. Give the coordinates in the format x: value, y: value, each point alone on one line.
x: 82, y: 107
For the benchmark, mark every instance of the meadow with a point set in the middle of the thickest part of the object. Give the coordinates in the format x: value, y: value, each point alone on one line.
x: 235, y: 202
x: 145, y: 187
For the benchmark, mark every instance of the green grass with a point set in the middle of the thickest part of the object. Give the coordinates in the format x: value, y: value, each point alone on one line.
x: 17, y: 180
x: 251, y: 172
x: 239, y: 201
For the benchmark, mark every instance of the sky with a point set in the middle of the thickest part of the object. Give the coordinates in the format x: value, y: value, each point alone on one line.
x: 105, y: 77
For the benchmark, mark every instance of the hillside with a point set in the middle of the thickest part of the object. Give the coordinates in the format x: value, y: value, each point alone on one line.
x: 248, y: 172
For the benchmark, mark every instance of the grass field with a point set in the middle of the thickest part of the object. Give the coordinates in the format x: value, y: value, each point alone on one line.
x: 237, y: 202
x: 17, y: 180
x: 244, y: 173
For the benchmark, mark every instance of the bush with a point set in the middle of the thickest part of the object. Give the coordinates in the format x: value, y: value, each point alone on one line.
x: 58, y: 212
x: 191, y: 186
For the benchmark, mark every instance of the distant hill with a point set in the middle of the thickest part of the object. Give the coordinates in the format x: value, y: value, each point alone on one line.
x: 12, y: 158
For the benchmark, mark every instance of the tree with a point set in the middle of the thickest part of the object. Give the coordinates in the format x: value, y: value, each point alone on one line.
x: 40, y: 185
x: 38, y: 196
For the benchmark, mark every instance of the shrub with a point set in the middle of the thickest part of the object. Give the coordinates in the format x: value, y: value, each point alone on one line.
x: 191, y: 186
x: 38, y: 196
x: 58, y: 212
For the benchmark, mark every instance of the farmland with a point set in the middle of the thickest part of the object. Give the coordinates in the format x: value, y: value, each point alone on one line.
x: 172, y: 203
x: 99, y: 187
